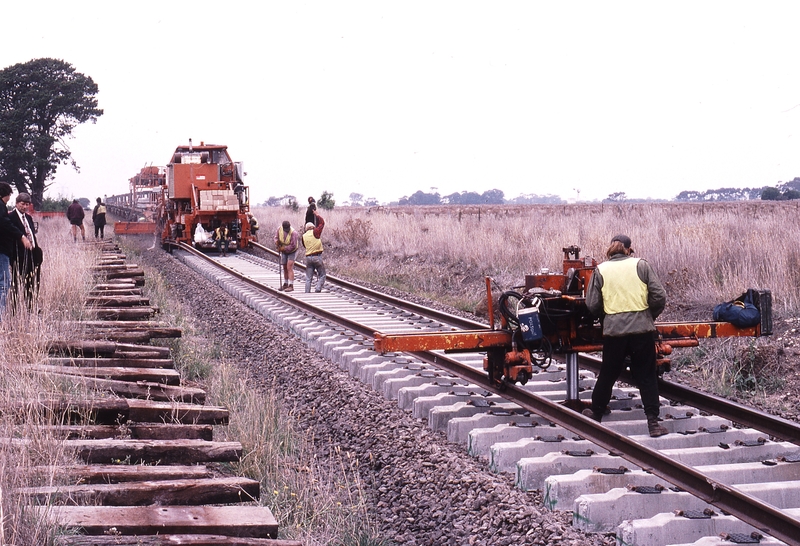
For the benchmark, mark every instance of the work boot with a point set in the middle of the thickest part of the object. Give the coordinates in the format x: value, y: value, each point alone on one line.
x: 589, y: 412
x: 289, y: 288
x: 654, y: 428
x: 285, y: 286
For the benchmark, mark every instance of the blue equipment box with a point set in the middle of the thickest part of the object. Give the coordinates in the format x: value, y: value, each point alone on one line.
x: 530, y: 325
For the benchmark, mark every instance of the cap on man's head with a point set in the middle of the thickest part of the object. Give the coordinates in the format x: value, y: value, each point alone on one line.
x: 23, y: 198
x: 624, y: 239
x: 310, y: 225
x: 286, y: 225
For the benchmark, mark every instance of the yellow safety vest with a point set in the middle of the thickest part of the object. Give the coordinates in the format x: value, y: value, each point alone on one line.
x: 283, y: 237
x: 312, y: 244
x: 623, y: 290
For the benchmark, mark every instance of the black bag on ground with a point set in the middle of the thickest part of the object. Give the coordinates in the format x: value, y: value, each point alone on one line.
x: 740, y: 312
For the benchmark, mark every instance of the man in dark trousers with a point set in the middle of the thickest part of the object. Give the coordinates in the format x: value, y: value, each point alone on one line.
x: 25, y: 263
x: 99, y: 219
x: 223, y: 239
x: 627, y: 296
x: 10, y: 236
x: 75, y: 215
x: 312, y: 241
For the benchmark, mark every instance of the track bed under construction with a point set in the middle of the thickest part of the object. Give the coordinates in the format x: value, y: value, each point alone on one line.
x: 147, y: 470
x: 709, y: 469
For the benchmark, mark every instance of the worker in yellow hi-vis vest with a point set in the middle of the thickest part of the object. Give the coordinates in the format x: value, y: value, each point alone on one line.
x: 627, y: 296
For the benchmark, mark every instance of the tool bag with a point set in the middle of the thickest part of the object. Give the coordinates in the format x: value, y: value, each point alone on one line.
x: 740, y: 312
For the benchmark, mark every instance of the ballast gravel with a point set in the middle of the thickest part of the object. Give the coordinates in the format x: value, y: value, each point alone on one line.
x: 420, y: 488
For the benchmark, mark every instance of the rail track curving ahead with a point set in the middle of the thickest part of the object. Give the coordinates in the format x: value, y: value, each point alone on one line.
x: 725, y: 468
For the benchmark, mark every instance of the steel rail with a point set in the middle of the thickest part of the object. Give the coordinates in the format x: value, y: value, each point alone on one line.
x: 283, y: 296
x: 441, y: 316
x: 751, y: 510
x: 772, y: 425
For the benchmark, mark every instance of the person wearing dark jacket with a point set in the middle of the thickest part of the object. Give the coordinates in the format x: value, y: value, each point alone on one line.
x: 99, y: 218
x: 223, y: 239
x: 10, y: 236
x: 311, y: 211
x: 75, y: 215
x: 26, y: 260
x: 627, y: 296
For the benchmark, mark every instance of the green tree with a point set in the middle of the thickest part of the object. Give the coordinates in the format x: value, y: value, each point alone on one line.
x: 791, y: 194
x: 326, y: 201
x: 355, y: 199
x: 493, y: 197
x: 59, y: 204
x: 616, y: 197
x: 771, y: 194
x: 419, y: 197
x: 41, y: 103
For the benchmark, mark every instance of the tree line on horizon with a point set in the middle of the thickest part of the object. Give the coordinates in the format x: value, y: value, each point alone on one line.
x: 783, y: 191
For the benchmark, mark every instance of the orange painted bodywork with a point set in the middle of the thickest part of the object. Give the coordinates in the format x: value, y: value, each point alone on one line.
x: 465, y: 340
x: 673, y: 330
x: 672, y: 334
x: 134, y: 228
x: 204, y: 187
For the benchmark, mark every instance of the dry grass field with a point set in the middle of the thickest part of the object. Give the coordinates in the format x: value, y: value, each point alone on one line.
x: 28, y: 454
x: 703, y: 253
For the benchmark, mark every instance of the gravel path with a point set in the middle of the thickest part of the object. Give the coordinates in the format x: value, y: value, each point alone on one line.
x: 421, y: 489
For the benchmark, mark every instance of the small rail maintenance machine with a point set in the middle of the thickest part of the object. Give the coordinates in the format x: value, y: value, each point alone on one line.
x: 548, y: 316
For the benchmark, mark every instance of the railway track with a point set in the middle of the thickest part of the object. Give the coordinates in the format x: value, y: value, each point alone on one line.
x: 146, y: 468
x: 724, y: 469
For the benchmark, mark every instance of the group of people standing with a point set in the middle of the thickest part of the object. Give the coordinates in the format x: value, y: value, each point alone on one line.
x: 20, y: 254
x: 75, y: 215
x: 288, y: 241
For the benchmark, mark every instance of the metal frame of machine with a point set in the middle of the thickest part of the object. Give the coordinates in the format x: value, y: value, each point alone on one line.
x: 548, y: 316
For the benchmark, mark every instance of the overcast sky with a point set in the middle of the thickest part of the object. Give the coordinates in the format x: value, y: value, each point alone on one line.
x: 386, y: 98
